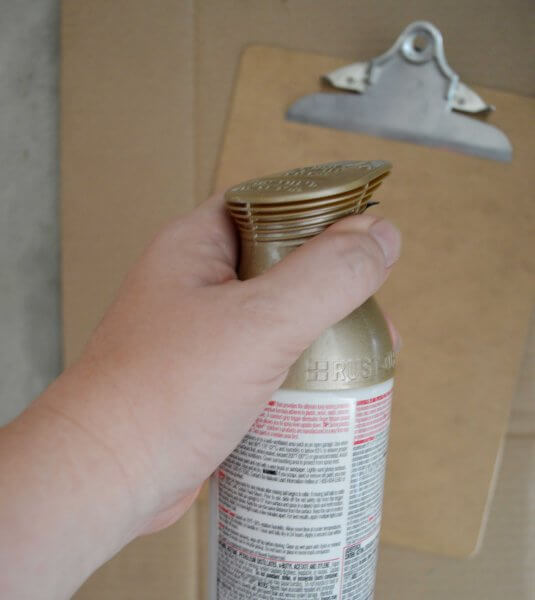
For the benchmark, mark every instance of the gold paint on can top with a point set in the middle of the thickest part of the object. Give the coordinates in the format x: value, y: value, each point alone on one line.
x: 305, y: 183
x: 277, y: 213
x: 294, y: 205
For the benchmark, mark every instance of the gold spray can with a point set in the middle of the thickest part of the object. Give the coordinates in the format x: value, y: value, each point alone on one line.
x: 296, y: 507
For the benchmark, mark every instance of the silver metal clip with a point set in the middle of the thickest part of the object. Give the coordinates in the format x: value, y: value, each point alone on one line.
x: 411, y: 93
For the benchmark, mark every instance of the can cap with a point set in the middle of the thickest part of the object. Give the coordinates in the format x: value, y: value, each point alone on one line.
x: 300, y: 203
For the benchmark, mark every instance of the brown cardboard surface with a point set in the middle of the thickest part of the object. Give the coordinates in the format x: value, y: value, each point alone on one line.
x: 504, y: 566
x: 522, y: 418
x: 156, y: 567
x: 126, y: 167
x: 126, y: 144
x: 145, y: 90
x: 461, y: 296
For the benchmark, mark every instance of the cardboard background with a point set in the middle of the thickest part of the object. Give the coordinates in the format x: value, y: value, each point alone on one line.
x: 127, y: 133
x: 145, y: 90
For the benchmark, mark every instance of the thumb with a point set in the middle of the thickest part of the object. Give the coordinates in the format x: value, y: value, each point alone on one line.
x: 328, y: 277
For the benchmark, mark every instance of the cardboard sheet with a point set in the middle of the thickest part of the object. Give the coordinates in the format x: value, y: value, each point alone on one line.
x: 461, y: 295
x: 145, y: 91
x: 126, y: 168
x: 126, y: 144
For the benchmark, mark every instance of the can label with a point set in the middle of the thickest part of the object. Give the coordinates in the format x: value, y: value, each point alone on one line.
x: 298, y: 503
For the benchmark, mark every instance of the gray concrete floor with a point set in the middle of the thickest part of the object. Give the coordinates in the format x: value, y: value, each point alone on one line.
x: 29, y: 266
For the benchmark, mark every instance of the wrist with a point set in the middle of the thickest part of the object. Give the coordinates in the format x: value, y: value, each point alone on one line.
x: 65, y: 508
x: 100, y: 438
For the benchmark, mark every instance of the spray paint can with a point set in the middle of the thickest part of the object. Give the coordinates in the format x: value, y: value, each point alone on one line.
x: 296, y: 508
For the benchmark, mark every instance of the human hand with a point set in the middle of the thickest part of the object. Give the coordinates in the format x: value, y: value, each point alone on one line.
x: 172, y: 379
x: 190, y: 355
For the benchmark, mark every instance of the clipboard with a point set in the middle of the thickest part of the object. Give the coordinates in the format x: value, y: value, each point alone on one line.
x: 461, y: 295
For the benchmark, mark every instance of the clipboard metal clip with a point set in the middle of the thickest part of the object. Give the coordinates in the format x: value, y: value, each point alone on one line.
x: 408, y: 93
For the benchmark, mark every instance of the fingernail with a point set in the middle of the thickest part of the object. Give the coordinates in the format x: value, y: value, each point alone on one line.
x: 389, y: 238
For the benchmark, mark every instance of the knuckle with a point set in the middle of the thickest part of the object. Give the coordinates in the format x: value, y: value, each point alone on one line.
x: 266, y: 328
x: 172, y: 233
x: 359, y: 259
x: 259, y: 306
